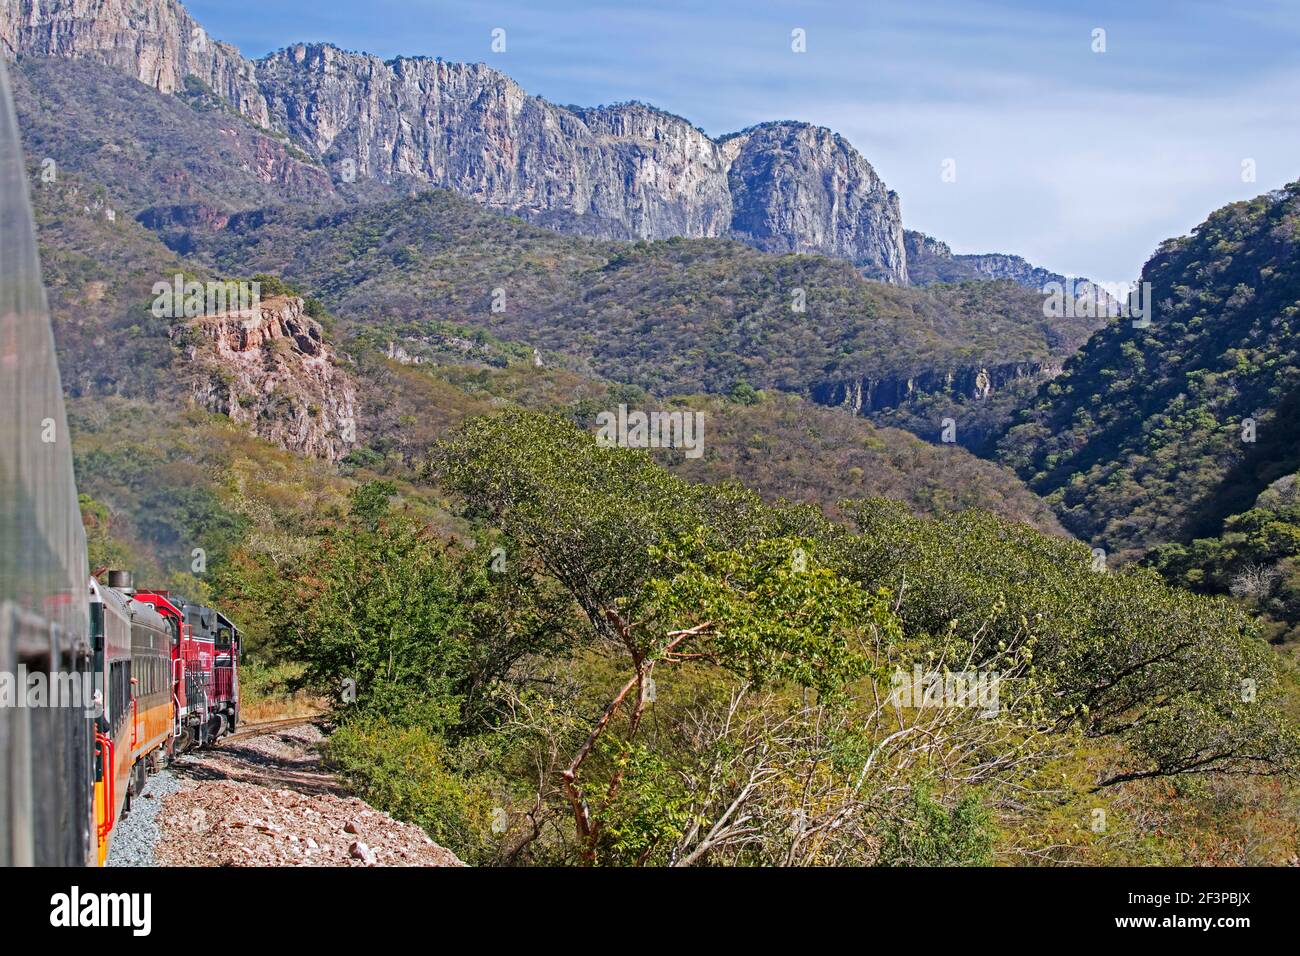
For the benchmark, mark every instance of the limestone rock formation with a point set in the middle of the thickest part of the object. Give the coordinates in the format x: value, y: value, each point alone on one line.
x: 801, y: 188
x: 863, y: 396
x: 269, y: 368
x: 156, y: 41
x: 620, y: 172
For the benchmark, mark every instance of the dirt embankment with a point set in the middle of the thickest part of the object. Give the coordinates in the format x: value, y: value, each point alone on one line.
x: 268, y: 801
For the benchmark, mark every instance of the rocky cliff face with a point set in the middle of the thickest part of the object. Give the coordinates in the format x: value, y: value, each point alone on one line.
x: 863, y: 396
x: 270, y: 369
x: 622, y: 172
x: 800, y: 188
x: 627, y: 172
x: 156, y: 41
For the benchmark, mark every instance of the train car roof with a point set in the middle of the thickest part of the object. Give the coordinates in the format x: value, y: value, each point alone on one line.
x: 125, y: 605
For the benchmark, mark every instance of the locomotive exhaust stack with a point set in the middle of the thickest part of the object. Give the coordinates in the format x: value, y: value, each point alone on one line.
x: 122, y: 581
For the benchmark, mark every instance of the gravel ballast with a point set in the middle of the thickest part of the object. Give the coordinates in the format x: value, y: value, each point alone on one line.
x: 136, y: 836
x: 267, y: 800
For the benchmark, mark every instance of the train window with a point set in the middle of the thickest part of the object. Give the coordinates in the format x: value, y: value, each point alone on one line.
x: 119, y: 699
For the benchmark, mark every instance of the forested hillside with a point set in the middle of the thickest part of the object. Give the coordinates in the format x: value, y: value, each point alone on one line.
x: 745, y: 653
x: 1179, y: 443
x: 1255, y: 558
x: 1156, y: 435
x: 242, y: 201
x: 674, y: 316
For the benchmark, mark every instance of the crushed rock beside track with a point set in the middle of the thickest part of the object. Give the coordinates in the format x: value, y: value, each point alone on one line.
x: 267, y: 801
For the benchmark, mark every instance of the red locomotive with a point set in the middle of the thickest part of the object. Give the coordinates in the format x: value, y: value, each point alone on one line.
x: 205, y: 669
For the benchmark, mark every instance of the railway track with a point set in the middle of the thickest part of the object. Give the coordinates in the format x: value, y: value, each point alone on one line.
x: 267, y: 726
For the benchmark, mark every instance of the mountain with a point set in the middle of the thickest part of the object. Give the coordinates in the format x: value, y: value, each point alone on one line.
x: 622, y: 172
x: 438, y: 325
x: 411, y: 279
x: 929, y: 261
x: 293, y: 376
x: 243, y: 201
x: 1156, y: 435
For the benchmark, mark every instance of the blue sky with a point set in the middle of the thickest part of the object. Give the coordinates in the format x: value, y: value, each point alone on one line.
x: 1080, y: 161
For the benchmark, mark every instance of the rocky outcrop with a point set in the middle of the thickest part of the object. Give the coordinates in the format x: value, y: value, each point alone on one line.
x: 399, y: 355
x: 269, y: 368
x: 800, y: 188
x: 621, y: 172
x: 866, y: 395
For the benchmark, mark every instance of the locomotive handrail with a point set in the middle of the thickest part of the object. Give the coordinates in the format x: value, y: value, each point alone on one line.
x: 109, y: 771
x: 177, y: 677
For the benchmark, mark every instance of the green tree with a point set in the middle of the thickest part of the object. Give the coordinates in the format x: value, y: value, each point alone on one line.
x: 644, y: 555
x: 378, y: 621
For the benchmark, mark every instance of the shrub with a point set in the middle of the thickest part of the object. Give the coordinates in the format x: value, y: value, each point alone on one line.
x: 404, y: 772
x: 932, y: 835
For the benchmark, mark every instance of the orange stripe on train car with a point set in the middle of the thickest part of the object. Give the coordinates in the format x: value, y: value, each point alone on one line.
x: 155, y: 726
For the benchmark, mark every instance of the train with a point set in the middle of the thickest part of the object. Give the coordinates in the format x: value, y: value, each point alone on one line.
x: 166, y: 681
x: 100, y: 682
x: 90, y: 718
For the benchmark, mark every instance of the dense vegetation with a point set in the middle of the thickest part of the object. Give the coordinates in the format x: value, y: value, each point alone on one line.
x: 1256, y: 559
x: 99, y: 273
x: 1179, y: 442
x: 622, y: 667
x: 674, y: 316
x: 480, y: 651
